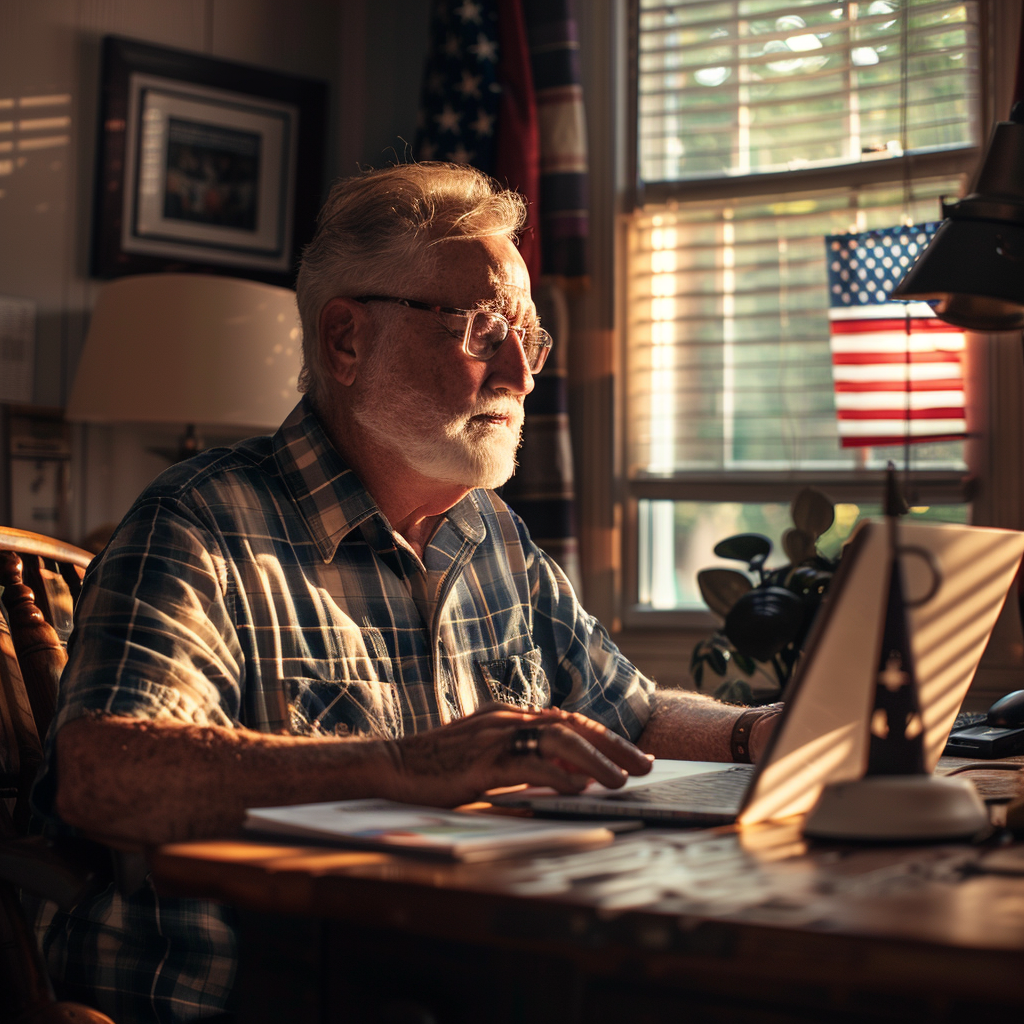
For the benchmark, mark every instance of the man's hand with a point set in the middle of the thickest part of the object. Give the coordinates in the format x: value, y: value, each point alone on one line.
x: 166, y: 781
x: 459, y: 762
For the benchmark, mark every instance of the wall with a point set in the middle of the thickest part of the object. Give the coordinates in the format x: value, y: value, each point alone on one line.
x: 384, y: 45
x: 370, y: 54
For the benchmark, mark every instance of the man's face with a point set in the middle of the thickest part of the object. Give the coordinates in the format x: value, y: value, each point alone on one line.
x: 449, y: 416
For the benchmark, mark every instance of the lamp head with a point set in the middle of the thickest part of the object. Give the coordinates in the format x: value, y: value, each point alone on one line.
x: 973, y: 269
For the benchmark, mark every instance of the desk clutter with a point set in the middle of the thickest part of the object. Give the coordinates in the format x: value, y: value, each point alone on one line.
x: 999, y: 732
x: 770, y: 875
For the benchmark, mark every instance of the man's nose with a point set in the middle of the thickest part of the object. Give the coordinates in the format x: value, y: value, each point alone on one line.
x: 509, y: 367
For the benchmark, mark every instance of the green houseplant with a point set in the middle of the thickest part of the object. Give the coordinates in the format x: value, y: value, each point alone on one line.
x: 766, y: 613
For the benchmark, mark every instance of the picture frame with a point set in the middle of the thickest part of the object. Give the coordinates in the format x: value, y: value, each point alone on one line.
x: 204, y: 165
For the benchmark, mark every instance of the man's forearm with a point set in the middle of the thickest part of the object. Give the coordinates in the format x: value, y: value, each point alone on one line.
x: 694, y: 727
x: 156, y: 782
x: 689, y: 726
x: 121, y: 778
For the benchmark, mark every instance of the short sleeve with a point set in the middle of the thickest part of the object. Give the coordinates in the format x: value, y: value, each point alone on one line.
x: 153, y: 637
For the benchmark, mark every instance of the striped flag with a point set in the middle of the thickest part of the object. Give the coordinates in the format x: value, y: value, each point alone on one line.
x: 896, y: 367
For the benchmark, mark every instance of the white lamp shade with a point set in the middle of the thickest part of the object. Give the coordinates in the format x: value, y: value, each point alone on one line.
x: 189, y: 348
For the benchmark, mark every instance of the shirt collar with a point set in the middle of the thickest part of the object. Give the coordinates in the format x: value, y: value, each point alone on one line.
x: 331, y: 498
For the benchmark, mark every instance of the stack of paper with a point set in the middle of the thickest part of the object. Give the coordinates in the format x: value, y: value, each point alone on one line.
x: 383, y: 824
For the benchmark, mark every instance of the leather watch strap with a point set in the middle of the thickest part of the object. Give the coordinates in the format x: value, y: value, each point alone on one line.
x: 740, y: 740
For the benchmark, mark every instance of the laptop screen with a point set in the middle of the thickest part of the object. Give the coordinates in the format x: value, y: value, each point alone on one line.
x: 955, y: 580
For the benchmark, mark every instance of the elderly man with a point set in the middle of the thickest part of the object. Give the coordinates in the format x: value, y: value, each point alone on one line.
x: 343, y: 609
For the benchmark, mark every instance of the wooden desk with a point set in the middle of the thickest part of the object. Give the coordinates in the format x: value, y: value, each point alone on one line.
x: 664, y: 925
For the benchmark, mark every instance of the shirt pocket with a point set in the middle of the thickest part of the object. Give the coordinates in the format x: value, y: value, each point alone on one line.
x: 351, y: 695
x: 328, y: 707
x: 518, y: 680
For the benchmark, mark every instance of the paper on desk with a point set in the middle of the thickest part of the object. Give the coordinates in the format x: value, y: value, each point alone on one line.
x: 384, y: 824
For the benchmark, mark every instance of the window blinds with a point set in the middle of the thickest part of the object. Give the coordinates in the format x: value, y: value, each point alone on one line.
x: 729, y: 366
x: 738, y: 87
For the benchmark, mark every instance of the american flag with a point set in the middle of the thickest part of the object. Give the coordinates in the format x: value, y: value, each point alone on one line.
x: 461, y: 93
x: 896, y: 367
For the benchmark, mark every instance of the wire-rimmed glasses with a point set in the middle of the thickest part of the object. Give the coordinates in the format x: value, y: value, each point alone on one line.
x: 485, y: 331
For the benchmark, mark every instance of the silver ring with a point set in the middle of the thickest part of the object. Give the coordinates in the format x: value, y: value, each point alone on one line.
x: 525, y: 741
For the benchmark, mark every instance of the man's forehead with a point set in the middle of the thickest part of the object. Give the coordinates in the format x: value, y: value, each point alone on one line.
x: 484, y: 271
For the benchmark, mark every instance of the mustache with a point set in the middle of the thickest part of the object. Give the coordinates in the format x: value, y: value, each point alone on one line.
x: 499, y: 407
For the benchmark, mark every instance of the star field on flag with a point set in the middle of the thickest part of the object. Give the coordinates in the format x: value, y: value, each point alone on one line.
x: 897, y: 369
x: 461, y: 95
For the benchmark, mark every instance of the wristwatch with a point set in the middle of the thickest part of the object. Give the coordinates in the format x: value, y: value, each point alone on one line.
x: 739, y: 742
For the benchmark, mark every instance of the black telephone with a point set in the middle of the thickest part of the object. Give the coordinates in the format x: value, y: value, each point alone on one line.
x: 998, y: 733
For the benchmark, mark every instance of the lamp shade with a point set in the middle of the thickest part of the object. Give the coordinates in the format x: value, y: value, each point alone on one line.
x: 973, y: 270
x: 189, y: 349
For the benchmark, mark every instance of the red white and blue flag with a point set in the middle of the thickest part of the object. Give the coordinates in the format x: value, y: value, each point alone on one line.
x: 897, y: 368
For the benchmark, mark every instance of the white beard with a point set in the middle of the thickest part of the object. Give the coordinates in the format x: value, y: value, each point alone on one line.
x: 452, y: 448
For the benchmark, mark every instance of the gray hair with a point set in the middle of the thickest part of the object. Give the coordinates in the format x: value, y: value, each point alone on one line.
x: 379, y: 225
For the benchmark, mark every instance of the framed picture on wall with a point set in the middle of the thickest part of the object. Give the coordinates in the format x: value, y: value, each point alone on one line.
x: 204, y: 165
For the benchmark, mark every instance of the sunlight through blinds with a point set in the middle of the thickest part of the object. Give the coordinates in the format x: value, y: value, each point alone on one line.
x: 729, y: 360
x: 737, y: 87
x: 729, y: 366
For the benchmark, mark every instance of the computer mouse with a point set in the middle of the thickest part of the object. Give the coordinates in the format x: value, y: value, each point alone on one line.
x: 1008, y: 711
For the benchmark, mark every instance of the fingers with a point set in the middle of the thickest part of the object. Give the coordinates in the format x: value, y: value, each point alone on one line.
x: 564, y: 752
x: 509, y: 747
x: 614, y: 747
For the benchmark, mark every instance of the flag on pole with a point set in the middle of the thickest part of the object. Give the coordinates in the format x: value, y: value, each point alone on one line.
x: 897, y: 368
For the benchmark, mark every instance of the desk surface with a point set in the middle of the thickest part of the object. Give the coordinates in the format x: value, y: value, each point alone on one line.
x: 676, y: 912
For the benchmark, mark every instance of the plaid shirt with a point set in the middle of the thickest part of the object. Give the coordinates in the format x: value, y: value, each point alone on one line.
x: 260, y: 586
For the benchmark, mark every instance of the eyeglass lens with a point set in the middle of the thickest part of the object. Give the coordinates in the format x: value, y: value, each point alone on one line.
x: 486, y: 333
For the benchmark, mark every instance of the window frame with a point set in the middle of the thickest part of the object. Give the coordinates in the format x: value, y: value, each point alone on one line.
x: 859, y: 486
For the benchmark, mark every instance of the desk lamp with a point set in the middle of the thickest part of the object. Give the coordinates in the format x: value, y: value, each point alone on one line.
x: 189, y: 349
x: 973, y: 269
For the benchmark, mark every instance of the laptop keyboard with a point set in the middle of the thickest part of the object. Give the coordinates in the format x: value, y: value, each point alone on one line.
x: 709, y: 790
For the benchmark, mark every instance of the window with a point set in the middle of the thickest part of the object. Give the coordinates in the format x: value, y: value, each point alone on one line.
x: 762, y: 127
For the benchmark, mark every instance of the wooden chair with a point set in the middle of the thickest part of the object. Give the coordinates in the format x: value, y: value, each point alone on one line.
x: 40, y: 579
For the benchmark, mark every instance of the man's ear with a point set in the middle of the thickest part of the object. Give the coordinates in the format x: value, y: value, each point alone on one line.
x: 344, y: 338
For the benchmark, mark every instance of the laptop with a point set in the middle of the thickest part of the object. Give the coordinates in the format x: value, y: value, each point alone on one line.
x: 955, y: 581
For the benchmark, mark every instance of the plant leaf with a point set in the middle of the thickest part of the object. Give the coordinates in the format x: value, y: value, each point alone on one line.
x: 812, y: 512
x: 718, y: 660
x: 798, y: 545
x: 735, y: 691
x: 744, y: 546
x: 744, y: 663
x: 722, y: 588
